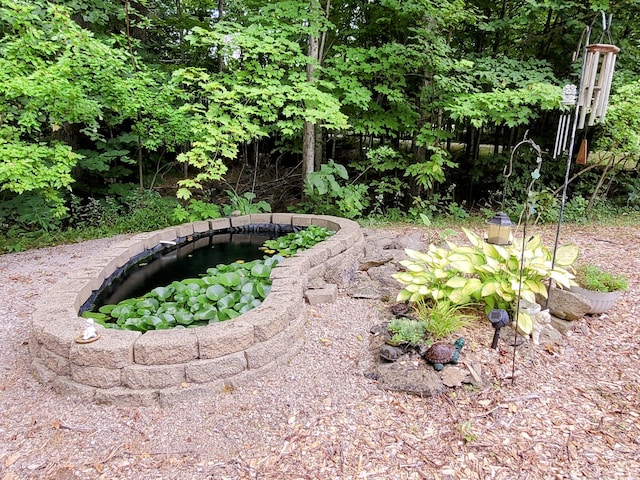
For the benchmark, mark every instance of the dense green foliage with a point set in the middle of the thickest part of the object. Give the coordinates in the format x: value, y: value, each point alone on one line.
x: 591, y: 277
x: 411, y: 108
x: 294, y: 242
x: 225, y: 292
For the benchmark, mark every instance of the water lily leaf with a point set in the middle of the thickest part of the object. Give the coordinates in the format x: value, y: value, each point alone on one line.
x: 261, y: 270
x: 230, y: 313
x: 167, y: 318
x: 230, y: 279
x: 134, y: 323
x: 151, y: 321
x: 227, y: 302
x: 121, y: 311
x: 184, y: 317
x: 262, y: 290
x: 207, y: 313
x: 148, y: 303
x: 194, y: 283
x: 162, y: 293
x: 243, y: 308
x: 216, y: 292
x: 94, y: 315
x: 107, y: 309
x: 246, y: 298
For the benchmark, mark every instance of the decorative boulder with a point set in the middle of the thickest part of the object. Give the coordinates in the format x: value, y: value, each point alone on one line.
x: 566, y: 305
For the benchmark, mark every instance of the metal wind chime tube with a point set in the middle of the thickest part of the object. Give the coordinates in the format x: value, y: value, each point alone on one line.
x: 569, y: 98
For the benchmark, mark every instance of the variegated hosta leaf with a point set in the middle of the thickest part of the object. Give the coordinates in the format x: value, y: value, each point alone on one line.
x: 566, y: 255
x: 458, y: 297
x: 424, y: 290
x: 489, y: 288
x: 475, y: 240
x: 473, y: 285
x: 457, y: 282
x: 528, y: 295
x: 536, y: 287
x: 525, y: 323
x: 415, y: 267
x: 403, y: 295
x: 561, y: 279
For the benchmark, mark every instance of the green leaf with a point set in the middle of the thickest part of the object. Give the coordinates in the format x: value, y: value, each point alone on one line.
x: 230, y: 279
x: 216, y: 292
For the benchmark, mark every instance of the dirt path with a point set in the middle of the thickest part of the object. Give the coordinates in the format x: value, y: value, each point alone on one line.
x: 573, y: 412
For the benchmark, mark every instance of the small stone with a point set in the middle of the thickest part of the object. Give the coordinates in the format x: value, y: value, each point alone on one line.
x: 452, y: 376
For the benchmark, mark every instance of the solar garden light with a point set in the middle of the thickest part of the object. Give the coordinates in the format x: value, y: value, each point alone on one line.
x: 500, y: 229
x: 498, y: 319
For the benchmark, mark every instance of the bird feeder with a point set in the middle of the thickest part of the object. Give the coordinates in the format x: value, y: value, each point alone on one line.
x: 500, y: 229
x: 598, y: 68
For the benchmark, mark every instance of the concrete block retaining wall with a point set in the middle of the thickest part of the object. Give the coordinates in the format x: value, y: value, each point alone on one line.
x: 165, y: 367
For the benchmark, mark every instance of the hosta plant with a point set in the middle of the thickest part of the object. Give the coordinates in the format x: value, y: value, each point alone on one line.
x: 483, y: 272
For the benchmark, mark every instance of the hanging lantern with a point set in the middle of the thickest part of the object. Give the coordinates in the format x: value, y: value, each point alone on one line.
x: 598, y: 68
x: 500, y: 229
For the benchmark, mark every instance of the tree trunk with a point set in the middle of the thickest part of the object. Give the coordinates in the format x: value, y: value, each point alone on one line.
x: 309, y: 133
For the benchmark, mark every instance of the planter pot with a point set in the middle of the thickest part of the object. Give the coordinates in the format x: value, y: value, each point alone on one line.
x: 600, y: 302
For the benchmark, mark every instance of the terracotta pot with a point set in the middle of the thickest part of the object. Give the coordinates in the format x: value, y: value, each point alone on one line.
x: 600, y: 302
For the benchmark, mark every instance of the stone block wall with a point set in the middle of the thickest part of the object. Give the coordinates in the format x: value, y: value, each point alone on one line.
x: 165, y: 367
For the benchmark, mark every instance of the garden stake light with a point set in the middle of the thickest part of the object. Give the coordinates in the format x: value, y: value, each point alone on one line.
x: 498, y: 319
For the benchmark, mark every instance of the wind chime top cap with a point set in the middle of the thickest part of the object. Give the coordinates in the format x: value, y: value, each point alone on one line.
x: 603, y: 48
x: 569, y: 94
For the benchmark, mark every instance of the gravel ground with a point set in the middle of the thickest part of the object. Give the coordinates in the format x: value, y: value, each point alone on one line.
x: 573, y: 412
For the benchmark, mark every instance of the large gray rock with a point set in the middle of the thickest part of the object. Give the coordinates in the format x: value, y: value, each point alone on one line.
x: 566, y: 305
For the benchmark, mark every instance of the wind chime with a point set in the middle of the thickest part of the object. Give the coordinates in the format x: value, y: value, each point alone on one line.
x: 591, y: 99
x: 586, y: 103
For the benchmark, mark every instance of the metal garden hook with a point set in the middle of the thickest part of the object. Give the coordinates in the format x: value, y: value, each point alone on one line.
x: 525, y: 140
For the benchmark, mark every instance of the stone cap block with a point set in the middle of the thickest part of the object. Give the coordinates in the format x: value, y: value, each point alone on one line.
x: 260, y: 218
x: 201, y: 227
x: 184, y: 230
x: 281, y: 218
x: 44, y: 316
x: 163, y: 347
x: 277, y: 311
x: 291, y: 285
x: 60, y: 333
x: 114, y: 349
x: 240, y: 221
x: 219, y: 224
x: 206, y: 371
x: 223, y: 338
x: 301, y: 220
x: 316, y: 296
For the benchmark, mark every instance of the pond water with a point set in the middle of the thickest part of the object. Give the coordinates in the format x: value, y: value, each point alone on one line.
x: 183, y: 261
